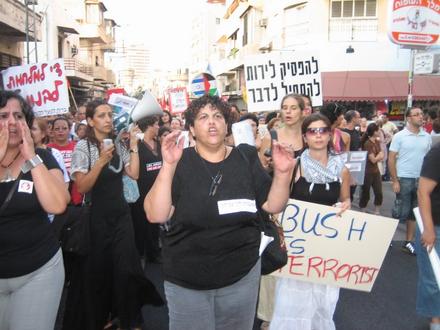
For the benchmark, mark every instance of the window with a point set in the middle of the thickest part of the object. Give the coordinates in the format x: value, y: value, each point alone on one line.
x: 245, y: 28
x: 353, y: 8
x: 353, y: 20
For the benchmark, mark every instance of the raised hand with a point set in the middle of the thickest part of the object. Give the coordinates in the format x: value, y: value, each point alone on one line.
x: 172, y: 151
x: 4, y: 139
x: 106, y: 154
x: 282, y: 158
x: 133, y: 139
x: 27, y: 147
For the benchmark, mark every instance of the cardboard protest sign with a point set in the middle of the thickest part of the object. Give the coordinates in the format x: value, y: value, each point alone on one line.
x: 123, y: 102
x: 345, y: 251
x: 43, y: 84
x: 356, y: 162
x: 269, y: 77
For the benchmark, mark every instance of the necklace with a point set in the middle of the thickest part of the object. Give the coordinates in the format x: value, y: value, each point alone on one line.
x: 8, y: 174
x: 217, y: 179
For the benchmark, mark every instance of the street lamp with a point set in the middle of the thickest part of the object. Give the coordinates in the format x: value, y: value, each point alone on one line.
x: 349, y: 50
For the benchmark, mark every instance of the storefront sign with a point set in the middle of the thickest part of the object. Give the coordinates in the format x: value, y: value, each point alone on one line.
x: 414, y: 22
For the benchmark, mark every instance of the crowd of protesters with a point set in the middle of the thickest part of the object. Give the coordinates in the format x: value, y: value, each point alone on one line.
x: 191, y: 214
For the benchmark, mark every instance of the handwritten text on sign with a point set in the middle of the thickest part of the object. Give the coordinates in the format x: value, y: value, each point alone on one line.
x: 270, y: 77
x: 345, y: 251
x: 42, y: 84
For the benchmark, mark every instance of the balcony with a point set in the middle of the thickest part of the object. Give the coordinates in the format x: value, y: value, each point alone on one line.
x: 77, y: 70
x: 100, y: 73
x: 13, y: 21
x: 95, y: 34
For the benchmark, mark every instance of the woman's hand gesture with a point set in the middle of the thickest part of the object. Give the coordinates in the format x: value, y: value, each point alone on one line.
x: 133, y: 138
x: 172, y: 148
x: 4, y: 139
x: 106, y: 154
x: 282, y: 158
x: 27, y: 148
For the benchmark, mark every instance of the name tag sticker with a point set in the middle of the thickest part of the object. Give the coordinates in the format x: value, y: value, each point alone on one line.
x: 236, y: 205
x: 26, y: 186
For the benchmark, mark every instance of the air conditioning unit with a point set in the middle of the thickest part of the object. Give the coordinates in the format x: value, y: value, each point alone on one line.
x: 262, y: 22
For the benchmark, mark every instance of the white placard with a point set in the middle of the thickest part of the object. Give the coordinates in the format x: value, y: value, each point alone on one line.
x: 346, y: 251
x: 242, y: 132
x: 125, y: 102
x: 269, y: 77
x: 43, y: 85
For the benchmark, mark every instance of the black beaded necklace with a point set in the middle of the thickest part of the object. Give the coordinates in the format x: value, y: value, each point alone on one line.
x: 8, y: 174
x: 217, y: 179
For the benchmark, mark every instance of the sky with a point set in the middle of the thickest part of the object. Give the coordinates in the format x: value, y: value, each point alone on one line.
x: 162, y: 25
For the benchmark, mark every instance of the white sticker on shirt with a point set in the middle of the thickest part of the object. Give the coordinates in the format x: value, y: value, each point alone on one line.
x: 26, y: 186
x: 153, y: 166
x: 236, y: 205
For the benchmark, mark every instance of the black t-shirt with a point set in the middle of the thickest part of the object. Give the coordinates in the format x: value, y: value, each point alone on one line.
x: 431, y: 171
x: 149, y: 166
x: 205, y: 250
x: 27, y: 240
x: 355, y: 139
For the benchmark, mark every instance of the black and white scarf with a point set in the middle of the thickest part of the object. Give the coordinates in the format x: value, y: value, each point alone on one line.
x: 315, y: 172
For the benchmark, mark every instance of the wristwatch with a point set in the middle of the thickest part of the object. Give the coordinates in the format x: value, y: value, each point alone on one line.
x: 134, y: 150
x: 31, y: 163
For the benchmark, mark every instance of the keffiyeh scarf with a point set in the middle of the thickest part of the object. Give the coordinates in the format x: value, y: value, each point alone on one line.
x: 315, y: 172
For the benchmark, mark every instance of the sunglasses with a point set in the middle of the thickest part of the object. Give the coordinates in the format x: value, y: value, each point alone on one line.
x: 317, y: 130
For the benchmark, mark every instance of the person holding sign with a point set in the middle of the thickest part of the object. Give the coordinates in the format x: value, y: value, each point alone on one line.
x: 428, y: 292
x: 211, y: 194
x: 320, y: 177
x: 31, y: 262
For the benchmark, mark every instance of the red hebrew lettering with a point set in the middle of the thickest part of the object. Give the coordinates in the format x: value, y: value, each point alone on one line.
x: 52, y: 96
x: 58, y: 69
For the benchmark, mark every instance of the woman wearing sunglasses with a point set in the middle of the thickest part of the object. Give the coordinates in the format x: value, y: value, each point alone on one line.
x: 319, y: 177
x: 211, y: 193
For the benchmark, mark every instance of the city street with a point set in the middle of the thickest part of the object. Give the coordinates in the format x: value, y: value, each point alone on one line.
x: 390, y: 305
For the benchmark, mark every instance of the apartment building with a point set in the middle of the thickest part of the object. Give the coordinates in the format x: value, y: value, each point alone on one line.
x: 358, y: 61
x: 13, y: 31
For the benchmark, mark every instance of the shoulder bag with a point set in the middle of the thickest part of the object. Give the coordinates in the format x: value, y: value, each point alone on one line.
x: 72, y: 228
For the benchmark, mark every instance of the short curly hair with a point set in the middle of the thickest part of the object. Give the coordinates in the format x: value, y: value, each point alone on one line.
x: 5, y: 96
x: 196, y: 105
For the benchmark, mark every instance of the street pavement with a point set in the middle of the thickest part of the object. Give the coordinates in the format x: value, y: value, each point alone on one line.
x: 389, y: 306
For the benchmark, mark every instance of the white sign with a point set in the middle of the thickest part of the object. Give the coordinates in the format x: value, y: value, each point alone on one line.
x: 43, y: 84
x: 356, y: 162
x: 178, y: 99
x: 346, y: 251
x: 125, y: 102
x: 426, y: 63
x: 269, y: 77
x: 242, y: 132
x: 414, y: 22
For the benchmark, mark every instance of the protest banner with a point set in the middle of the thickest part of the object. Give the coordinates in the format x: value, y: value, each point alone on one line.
x: 269, y: 77
x: 43, y: 85
x: 345, y: 251
x: 178, y: 99
x: 356, y: 162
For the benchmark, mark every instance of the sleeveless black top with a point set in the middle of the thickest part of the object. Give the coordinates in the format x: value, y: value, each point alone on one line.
x: 319, y: 194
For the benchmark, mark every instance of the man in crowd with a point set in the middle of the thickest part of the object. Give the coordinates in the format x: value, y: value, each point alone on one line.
x: 407, y: 150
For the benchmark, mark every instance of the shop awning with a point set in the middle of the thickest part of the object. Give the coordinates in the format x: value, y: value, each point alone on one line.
x: 378, y: 86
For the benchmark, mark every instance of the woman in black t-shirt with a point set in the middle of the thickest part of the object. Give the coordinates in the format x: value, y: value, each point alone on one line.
x: 212, y: 193
x: 31, y: 263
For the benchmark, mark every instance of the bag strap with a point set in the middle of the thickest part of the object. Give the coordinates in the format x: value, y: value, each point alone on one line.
x: 10, y: 193
x: 295, y: 171
x: 87, y: 199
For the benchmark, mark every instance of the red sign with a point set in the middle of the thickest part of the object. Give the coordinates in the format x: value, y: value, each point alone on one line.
x: 414, y: 22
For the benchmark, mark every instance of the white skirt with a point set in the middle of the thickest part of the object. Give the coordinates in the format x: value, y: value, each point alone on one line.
x: 302, y: 305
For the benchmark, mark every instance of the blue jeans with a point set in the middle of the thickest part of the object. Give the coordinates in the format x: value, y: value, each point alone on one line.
x: 230, y: 307
x: 428, y: 292
x: 31, y: 302
x: 407, y: 198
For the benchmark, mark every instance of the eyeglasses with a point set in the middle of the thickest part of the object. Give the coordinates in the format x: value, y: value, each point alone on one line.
x: 215, y: 183
x: 317, y: 130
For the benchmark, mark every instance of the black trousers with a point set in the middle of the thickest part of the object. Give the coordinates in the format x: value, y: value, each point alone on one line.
x: 371, y: 180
